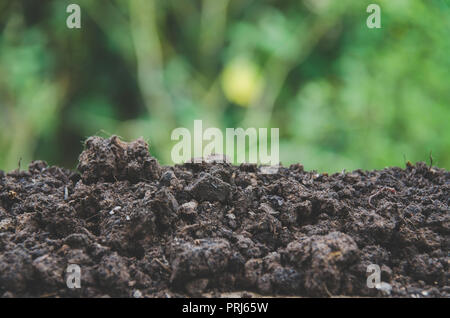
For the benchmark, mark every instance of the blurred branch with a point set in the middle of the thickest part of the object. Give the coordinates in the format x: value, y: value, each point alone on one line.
x: 213, y: 23
x: 113, y: 23
x: 276, y: 71
x: 150, y: 74
x: 149, y: 58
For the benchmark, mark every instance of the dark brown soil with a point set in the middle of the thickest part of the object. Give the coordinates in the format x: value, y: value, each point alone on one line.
x: 136, y: 228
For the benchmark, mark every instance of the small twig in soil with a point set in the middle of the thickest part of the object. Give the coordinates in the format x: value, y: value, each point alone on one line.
x: 48, y: 295
x: 392, y: 190
x: 164, y: 266
x: 193, y: 226
x: 87, y: 232
x: 91, y: 217
x: 328, y: 292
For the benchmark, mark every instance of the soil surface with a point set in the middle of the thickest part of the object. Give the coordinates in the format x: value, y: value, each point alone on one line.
x: 138, y: 229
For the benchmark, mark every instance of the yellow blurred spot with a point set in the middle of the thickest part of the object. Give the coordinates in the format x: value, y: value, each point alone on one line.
x: 241, y: 82
x: 12, y: 194
x: 334, y: 254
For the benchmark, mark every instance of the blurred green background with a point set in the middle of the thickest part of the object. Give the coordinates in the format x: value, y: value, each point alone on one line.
x: 343, y: 95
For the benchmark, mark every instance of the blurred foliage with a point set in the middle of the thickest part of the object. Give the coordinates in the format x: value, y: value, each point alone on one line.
x: 343, y: 95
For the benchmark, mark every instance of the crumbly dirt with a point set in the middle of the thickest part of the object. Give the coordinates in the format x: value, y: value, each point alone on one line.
x: 138, y: 229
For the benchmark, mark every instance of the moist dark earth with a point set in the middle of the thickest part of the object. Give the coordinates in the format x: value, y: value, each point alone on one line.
x: 138, y: 229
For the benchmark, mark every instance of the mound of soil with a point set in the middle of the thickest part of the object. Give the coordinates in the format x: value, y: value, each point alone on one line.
x: 137, y: 229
